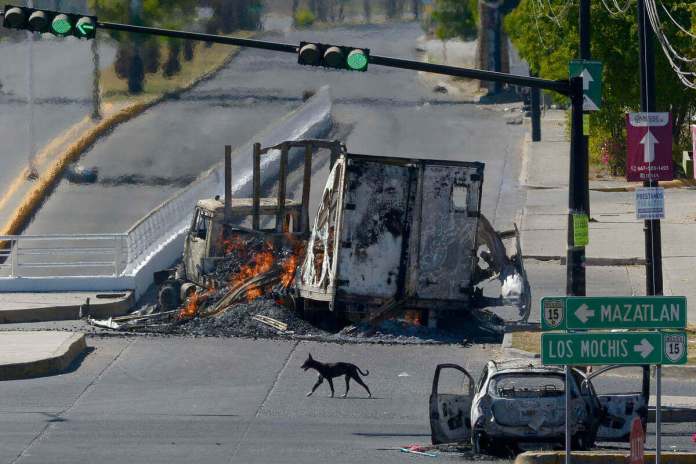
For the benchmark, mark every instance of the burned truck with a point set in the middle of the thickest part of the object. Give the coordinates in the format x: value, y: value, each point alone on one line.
x: 390, y: 234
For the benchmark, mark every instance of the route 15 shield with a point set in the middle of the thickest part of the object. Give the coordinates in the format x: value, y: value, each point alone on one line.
x: 675, y: 346
x: 553, y: 312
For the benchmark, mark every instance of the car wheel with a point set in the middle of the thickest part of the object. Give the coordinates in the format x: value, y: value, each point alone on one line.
x: 168, y: 297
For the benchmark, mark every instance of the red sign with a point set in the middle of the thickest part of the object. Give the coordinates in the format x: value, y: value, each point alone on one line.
x: 637, y: 442
x: 649, y: 143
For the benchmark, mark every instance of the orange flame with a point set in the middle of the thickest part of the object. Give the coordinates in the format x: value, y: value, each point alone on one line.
x: 288, y: 273
x: 260, y: 263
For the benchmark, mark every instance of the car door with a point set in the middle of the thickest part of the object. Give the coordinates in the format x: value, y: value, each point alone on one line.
x: 619, y: 408
x: 450, y: 404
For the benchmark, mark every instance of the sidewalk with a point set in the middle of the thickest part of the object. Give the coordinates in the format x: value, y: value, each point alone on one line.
x: 58, y: 306
x: 617, y: 237
x: 34, y: 354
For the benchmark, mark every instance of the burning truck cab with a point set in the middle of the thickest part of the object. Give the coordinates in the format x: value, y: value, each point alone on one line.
x: 389, y: 235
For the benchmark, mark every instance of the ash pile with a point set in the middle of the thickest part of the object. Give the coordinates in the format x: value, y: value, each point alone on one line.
x: 246, y: 294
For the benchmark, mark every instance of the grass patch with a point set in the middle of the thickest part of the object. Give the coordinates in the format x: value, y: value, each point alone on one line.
x: 531, y: 342
x: 205, y: 60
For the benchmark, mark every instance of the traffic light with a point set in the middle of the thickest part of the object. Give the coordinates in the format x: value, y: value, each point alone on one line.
x: 54, y: 22
x: 333, y: 56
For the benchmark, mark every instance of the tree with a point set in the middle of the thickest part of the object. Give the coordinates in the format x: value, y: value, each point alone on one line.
x: 138, y: 55
x: 450, y: 19
x: 547, y: 39
x: 454, y: 18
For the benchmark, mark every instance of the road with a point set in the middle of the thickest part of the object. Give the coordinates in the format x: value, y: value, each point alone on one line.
x: 381, y: 112
x: 165, y: 400
x: 62, y: 96
x: 179, y: 399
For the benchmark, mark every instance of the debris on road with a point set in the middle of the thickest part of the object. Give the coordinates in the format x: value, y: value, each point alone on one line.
x: 422, y: 450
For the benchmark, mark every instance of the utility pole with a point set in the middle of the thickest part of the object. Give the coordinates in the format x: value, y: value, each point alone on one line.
x: 535, y: 104
x: 653, y: 235
x: 585, y: 54
x: 96, y: 74
x: 577, y: 195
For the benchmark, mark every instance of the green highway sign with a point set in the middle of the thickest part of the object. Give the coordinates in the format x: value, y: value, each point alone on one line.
x: 622, y: 348
x: 591, y: 72
x: 613, y: 312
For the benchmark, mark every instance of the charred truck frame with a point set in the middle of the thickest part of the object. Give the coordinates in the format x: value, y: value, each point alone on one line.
x: 390, y: 234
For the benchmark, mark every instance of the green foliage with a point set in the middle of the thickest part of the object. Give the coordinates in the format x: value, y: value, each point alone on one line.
x: 304, y: 18
x: 454, y: 18
x: 548, y: 39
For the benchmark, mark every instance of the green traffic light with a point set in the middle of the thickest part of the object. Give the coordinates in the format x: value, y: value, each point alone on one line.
x: 357, y: 60
x: 85, y: 27
x: 61, y: 24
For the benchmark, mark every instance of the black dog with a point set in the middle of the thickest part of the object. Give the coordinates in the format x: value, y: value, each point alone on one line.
x: 329, y: 371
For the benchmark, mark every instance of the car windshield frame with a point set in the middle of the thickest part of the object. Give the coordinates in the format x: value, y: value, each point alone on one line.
x: 491, y: 390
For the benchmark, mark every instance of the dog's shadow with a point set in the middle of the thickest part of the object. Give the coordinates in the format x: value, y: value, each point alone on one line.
x: 359, y: 398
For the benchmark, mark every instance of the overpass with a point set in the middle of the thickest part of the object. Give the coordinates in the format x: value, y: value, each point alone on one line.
x: 126, y: 261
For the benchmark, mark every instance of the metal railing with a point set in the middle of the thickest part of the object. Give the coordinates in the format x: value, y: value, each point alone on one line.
x: 62, y: 255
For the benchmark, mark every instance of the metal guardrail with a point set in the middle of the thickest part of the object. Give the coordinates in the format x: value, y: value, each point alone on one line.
x: 62, y: 255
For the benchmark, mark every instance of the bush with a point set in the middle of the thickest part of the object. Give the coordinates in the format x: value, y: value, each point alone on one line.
x: 304, y: 18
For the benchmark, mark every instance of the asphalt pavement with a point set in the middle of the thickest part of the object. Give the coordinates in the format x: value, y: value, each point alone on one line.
x: 382, y: 112
x: 62, y: 70
x: 170, y: 400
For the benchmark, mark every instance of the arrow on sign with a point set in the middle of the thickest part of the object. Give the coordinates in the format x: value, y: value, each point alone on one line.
x: 588, y: 104
x: 645, y: 348
x: 586, y: 79
x: 584, y: 313
x: 649, y: 141
x: 85, y: 28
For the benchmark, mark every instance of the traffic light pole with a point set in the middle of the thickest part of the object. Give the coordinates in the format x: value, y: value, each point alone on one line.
x: 571, y: 88
x: 585, y: 54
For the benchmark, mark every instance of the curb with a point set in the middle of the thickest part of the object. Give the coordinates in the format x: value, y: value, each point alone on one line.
x: 62, y: 358
x: 44, y: 187
x: 113, y: 307
x: 606, y: 457
x: 677, y: 183
x: 591, y: 261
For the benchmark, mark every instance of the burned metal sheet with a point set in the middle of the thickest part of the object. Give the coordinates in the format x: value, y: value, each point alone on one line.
x: 374, y: 220
x: 317, y: 275
x: 448, y: 225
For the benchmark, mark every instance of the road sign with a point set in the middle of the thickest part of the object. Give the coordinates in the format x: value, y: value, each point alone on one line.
x: 650, y: 203
x: 591, y: 72
x: 581, y: 230
x: 621, y: 348
x: 613, y: 312
x: 637, y: 442
x: 649, y: 144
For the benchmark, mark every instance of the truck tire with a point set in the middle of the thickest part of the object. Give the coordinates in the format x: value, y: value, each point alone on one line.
x: 168, y: 297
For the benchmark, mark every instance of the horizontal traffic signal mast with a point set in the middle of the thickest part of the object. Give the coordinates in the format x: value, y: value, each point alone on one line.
x: 333, y: 56
x: 47, y: 21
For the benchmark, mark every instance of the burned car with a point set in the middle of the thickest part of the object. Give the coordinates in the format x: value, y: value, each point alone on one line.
x: 517, y: 403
